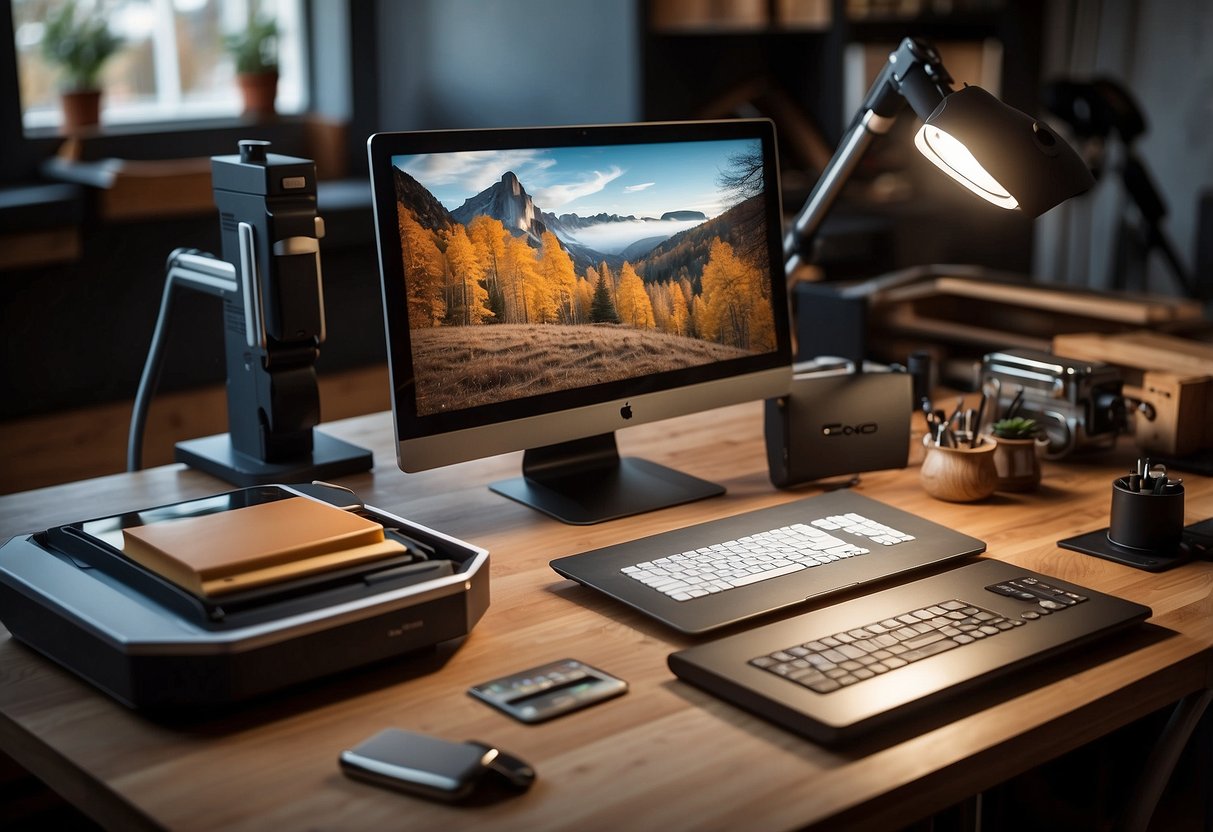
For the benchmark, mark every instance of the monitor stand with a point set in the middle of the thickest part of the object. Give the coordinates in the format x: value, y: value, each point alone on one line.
x: 585, y: 481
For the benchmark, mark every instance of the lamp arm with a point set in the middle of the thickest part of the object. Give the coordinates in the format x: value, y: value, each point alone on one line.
x: 913, y: 74
x: 829, y: 185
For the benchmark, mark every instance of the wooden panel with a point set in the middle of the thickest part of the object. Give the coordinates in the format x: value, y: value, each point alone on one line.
x: 91, y: 442
x: 27, y: 249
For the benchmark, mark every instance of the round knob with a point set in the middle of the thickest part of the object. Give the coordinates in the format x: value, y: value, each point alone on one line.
x: 253, y: 150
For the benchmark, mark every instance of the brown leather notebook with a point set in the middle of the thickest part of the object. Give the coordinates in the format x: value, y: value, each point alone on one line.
x: 256, y: 545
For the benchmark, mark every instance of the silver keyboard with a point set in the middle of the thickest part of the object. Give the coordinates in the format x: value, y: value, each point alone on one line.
x: 761, y: 556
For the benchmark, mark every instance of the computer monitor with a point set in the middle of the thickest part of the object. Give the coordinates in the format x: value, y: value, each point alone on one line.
x: 544, y: 287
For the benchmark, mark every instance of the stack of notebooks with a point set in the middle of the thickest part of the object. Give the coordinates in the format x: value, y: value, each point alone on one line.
x: 217, y: 554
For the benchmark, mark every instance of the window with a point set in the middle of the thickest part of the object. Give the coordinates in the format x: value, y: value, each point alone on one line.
x: 172, y: 64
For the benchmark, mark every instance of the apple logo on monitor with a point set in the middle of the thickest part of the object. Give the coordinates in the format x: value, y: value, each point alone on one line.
x: 626, y: 410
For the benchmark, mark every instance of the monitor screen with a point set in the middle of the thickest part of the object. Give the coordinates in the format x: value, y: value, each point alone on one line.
x: 544, y: 287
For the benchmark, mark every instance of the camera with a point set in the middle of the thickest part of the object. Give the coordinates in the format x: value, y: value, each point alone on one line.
x: 1079, y: 405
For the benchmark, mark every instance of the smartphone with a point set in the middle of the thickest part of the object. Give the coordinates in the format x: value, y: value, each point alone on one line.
x: 431, y: 767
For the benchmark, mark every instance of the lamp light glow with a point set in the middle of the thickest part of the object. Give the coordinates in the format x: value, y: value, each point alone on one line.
x: 954, y: 159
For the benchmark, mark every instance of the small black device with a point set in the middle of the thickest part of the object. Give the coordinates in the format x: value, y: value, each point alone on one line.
x: 1077, y: 403
x: 836, y: 420
x: 550, y: 690
x: 434, y: 768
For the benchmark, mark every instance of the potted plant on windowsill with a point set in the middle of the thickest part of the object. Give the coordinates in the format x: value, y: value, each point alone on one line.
x: 79, y: 43
x: 255, y: 50
x: 1015, y: 453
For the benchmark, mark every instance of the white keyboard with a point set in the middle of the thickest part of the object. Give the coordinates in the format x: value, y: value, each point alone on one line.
x: 758, y: 557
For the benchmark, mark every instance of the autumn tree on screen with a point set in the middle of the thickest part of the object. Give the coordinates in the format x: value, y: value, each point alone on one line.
x: 633, y: 303
x: 736, y: 308
x: 583, y: 302
x: 680, y: 314
x: 488, y: 236
x: 423, y: 269
x: 559, y: 278
x: 467, y: 298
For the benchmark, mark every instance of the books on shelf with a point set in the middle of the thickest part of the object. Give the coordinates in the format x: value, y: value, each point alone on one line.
x: 217, y: 554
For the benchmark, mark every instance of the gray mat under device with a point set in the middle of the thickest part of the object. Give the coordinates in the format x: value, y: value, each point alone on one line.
x: 69, y: 593
x: 836, y: 673
x: 719, y: 573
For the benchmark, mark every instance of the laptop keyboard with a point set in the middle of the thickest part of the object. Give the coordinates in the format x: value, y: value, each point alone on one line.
x: 761, y: 556
x: 832, y: 662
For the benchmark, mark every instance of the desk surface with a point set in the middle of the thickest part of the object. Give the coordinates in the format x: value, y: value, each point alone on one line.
x: 666, y: 755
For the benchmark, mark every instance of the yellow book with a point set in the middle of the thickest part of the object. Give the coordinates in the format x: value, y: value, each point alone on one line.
x: 256, y: 545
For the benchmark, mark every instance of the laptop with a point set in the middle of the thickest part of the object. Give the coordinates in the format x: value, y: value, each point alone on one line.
x: 722, y: 572
x: 836, y: 673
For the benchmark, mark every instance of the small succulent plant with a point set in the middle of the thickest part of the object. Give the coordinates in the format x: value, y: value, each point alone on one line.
x: 1016, y: 427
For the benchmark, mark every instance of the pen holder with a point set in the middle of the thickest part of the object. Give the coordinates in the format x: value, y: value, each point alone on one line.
x: 959, y: 475
x: 1145, y: 520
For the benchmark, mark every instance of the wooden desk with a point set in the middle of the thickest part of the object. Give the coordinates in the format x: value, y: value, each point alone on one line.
x: 665, y: 756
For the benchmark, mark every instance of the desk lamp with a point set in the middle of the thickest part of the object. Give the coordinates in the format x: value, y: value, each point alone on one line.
x: 999, y: 153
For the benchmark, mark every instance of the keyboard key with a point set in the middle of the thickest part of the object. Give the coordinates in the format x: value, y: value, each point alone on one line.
x: 924, y: 640
x: 929, y: 650
x: 762, y: 576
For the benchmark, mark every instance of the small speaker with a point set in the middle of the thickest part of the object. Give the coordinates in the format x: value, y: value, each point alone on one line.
x: 837, y: 423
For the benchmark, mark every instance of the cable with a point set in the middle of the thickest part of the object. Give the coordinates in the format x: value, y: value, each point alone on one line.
x: 197, y: 270
x: 151, y: 370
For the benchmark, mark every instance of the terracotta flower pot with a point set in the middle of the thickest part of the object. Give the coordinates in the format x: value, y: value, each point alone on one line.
x: 81, y: 109
x: 1017, y: 464
x: 259, y: 90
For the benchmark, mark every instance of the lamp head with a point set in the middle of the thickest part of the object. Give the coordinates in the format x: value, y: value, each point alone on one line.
x: 1001, y: 154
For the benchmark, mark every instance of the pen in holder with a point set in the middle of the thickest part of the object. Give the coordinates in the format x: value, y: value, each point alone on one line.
x: 1148, y: 517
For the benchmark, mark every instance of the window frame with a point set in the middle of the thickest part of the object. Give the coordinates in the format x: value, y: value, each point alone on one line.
x: 357, y: 105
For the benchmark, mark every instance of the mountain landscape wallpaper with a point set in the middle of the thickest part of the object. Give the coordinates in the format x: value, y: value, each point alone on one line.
x: 530, y: 271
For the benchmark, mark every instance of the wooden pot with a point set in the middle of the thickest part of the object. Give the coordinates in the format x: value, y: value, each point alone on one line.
x: 959, y: 475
